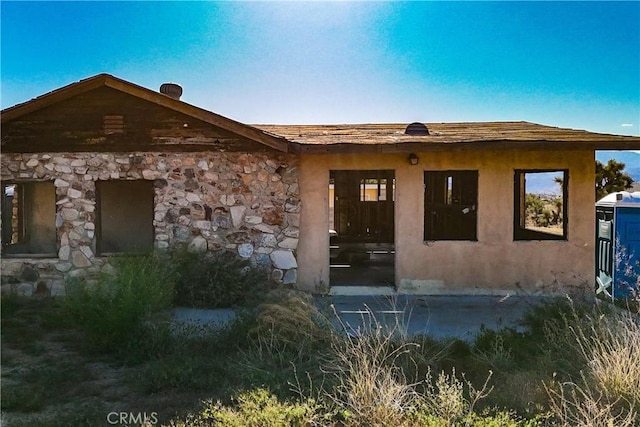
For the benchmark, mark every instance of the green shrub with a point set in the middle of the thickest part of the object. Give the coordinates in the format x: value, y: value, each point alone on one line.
x: 182, y: 371
x: 215, y: 279
x: 494, y: 349
x: 255, y: 408
x: 450, y: 400
x: 113, y: 310
x: 151, y: 339
x: 9, y: 304
x: 193, y: 357
x: 260, y: 408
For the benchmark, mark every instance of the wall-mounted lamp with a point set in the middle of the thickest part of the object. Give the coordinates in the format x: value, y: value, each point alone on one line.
x: 413, y: 159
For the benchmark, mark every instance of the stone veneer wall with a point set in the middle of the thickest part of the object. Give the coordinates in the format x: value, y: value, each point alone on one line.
x: 247, y: 203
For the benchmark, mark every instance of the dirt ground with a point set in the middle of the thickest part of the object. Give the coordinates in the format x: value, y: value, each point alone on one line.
x: 50, y: 378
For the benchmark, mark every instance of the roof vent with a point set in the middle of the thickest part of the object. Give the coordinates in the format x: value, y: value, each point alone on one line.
x: 416, y: 128
x: 172, y: 90
x: 113, y: 124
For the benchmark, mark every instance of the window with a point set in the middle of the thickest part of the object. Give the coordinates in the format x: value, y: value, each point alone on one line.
x: 373, y: 190
x: 450, y: 205
x: 540, y: 211
x: 125, y: 216
x: 29, y: 218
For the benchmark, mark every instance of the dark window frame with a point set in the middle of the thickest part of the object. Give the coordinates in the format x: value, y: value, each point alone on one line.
x: 26, y: 230
x: 451, y: 205
x: 520, y: 232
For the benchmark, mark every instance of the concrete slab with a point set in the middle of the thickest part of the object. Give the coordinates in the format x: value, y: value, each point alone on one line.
x: 199, y: 318
x: 440, y: 317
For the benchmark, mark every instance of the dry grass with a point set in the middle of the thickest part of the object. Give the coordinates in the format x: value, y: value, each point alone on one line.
x: 368, y: 382
x: 612, y: 348
x: 608, y: 390
x: 293, y: 319
x: 374, y: 373
x: 585, y: 406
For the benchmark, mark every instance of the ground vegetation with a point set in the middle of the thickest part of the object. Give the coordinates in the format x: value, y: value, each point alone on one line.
x: 288, y: 360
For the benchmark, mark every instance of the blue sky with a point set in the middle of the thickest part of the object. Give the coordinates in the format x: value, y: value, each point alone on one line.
x: 568, y: 64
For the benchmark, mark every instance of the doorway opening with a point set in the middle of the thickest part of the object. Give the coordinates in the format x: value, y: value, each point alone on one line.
x: 361, y: 227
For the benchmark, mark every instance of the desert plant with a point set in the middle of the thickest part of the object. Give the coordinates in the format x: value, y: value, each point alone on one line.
x: 575, y: 405
x: 611, y: 178
x: 215, y: 279
x: 607, y: 389
x: 374, y: 374
x: 368, y: 382
x: 289, y: 335
x: 293, y: 318
x: 255, y: 408
x: 112, y: 309
x: 491, y: 349
x: 611, y: 345
x: 447, y: 400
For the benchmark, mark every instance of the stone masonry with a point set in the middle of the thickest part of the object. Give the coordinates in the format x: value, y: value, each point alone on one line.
x: 246, y: 203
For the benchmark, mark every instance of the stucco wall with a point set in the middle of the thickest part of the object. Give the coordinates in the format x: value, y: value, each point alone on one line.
x: 494, y: 263
x: 246, y: 203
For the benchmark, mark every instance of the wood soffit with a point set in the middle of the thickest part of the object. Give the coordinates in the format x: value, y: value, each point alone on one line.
x: 354, y: 138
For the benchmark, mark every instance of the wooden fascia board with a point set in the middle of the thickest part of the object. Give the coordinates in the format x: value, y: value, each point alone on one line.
x: 417, y: 147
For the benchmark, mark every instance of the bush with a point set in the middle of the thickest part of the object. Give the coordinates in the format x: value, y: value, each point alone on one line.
x: 215, y: 279
x: 612, y: 348
x: 288, y: 335
x: 607, y: 389
x: 113, y: 309
x: 584, y: 405
x: 369, y: 384
x: 256, y: 408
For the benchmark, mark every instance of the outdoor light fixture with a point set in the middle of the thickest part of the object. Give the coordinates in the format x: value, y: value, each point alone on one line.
x: 413, y: 159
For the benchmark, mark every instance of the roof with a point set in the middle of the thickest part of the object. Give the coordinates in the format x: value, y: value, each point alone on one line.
x: 353, y: 138
x: 107, y: 80
x: 391, y: 137
x: 619, y: 199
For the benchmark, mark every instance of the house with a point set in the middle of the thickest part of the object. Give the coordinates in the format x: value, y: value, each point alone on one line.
x: 104, y: 166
